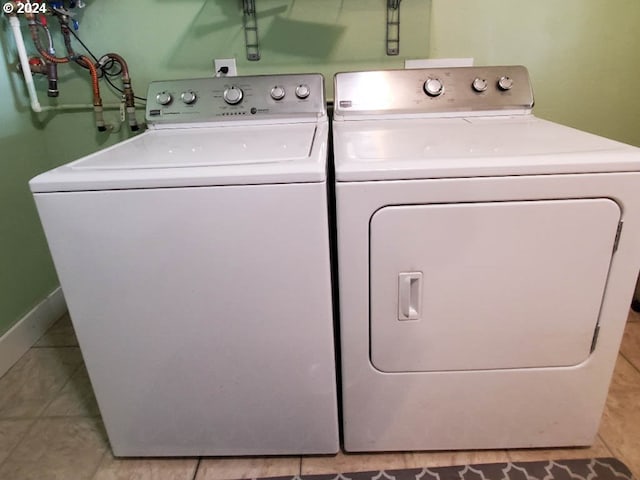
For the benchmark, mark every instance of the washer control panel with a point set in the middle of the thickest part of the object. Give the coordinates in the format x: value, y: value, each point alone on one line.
x: 433, y: 91
x: 203, y: 100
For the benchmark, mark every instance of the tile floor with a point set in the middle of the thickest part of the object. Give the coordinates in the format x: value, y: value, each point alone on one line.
x: 50, y: 428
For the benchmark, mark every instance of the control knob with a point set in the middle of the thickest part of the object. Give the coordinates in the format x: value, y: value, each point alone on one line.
x: 433, y: 87
x: 232, y: 95
x: 277, y: 92
x: 479, y: 84
x: 505, y: 83
x: 303, y: 91
x: 189, y: 97
x: 164, y: 98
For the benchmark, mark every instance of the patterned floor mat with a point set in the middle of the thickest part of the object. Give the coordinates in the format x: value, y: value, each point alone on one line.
x: 581, y: 469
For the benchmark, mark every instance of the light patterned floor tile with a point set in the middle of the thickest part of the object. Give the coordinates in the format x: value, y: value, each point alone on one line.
x: 35, y: 380
x: 620, y: 428
x: 352, y: 462
x: 461, y: 457
x: 61, y: 334
x: 76, y: 447
x: 75, y: 399
x: 630, y: 347
x: 598, y: 449
x: 145, y: 469
x: 250, y: 467
x: 57, y: 449
x: 11, y: 432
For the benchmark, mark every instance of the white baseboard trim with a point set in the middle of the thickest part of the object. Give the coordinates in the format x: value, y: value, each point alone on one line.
x: 27, y: 331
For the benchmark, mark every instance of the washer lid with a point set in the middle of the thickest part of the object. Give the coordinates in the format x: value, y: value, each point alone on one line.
x: 395, y: 149
x: 229, y: 155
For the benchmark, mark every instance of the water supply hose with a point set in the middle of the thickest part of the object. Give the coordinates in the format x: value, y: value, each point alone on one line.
x: 97, y: 100
x: 35, y: 36
x: 51, y: 67
x: 85, y: 62
x: 129, y: 98
x: 64, y: 28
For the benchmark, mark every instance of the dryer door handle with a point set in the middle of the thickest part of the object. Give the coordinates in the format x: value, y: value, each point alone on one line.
x: 409, y: 295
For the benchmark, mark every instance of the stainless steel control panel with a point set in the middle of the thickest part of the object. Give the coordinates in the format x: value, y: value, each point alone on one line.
x: 433, y: 90
x: 216, y: 99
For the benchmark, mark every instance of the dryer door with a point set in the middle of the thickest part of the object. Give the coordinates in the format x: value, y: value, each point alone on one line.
x: 495, y: 285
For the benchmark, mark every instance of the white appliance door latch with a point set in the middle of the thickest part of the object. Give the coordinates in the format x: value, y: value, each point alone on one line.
x: 409, y: 295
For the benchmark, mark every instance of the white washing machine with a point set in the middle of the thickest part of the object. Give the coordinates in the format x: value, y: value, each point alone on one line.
x: 487, y: 260
x: 194, y: 259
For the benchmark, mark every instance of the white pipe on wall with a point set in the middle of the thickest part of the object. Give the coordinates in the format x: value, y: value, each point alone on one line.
x: 78, y: 106
x: 24, y: 63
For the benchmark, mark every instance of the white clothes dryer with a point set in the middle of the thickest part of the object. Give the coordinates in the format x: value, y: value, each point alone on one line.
x: 194, y: 259
x: 487, y: 260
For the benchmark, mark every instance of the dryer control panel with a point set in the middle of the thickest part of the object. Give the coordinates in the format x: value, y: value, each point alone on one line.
x: 217, y: 99
x: 433, y: 91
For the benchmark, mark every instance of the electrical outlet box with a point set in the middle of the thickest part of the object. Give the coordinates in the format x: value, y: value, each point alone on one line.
x: 220, y: 63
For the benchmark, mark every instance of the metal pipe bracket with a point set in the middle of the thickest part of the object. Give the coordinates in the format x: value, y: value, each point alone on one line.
x: 250, y: 23
x: 393, y: 27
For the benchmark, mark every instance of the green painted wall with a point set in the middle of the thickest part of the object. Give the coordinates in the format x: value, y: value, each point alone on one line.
x: 26, y: 271
x: 583, y: 56
x: 181, y: 39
